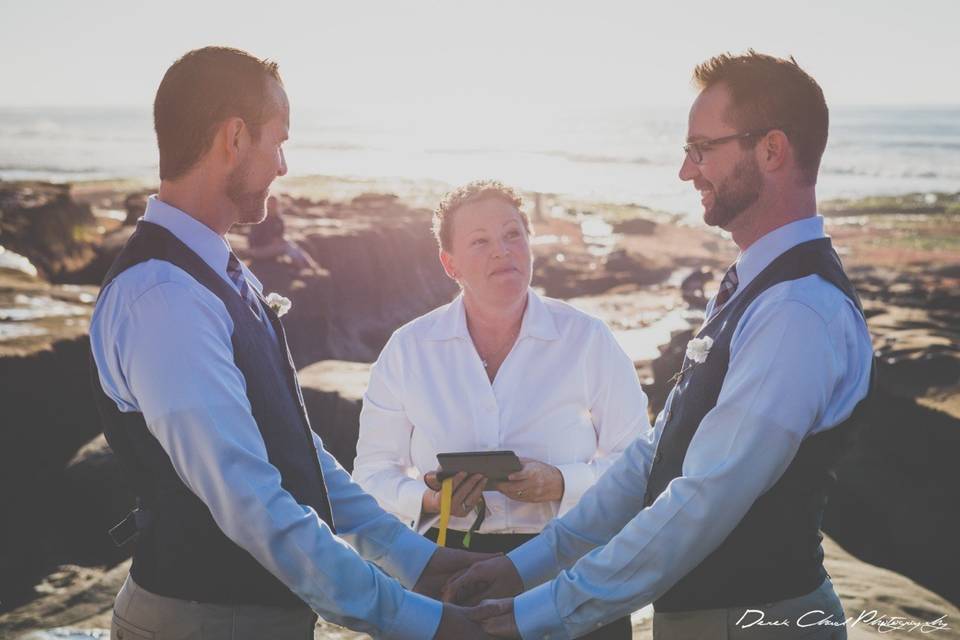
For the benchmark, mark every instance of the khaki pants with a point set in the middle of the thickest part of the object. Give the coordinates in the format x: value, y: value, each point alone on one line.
x: 141, y: 615
x: 815, y: 616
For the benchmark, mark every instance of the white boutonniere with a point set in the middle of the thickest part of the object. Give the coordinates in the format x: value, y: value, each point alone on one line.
x: 278, y: 303
x: 697, y: 351
x: 699, y: 348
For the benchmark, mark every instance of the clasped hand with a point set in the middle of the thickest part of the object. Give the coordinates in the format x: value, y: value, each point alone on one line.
x: 495, y: 617
x: 488, y: 585
x: 485, y: 580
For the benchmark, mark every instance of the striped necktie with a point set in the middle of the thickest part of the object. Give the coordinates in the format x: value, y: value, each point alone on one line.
x: 727, y: 287
x: 236, y: 275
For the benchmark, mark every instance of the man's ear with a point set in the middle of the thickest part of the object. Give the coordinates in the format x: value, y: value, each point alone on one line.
x: 447, y: 261
x: 774, y: 150
x: 234, y: 138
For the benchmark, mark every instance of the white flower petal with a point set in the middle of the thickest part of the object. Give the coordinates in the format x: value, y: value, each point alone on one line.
x: 278, y: 303
x: 699, y: 348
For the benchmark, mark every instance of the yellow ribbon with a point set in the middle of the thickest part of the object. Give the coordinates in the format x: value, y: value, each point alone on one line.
x: 446, y: 497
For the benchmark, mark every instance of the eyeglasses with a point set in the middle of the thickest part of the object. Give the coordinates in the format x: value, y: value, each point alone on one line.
x: 694, y: 150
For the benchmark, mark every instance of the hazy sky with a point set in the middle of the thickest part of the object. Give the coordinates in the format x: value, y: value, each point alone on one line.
x: 113, y: 52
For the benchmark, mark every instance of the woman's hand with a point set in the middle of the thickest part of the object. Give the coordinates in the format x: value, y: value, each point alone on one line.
x: 467, y: 492
x: 536, y: 482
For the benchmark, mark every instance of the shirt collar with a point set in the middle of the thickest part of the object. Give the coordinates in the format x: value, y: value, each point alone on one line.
x: 768, y: 248
x: 199, y: 238
x: 538, y: 322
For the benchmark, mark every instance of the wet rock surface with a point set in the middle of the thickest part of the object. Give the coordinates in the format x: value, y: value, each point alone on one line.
x: 45, y: 224
x: 378, y: 271
x: 333, y: 392
x: 48, y: 416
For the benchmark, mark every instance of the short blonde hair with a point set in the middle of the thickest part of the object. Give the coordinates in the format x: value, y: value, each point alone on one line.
x: 472, y: 192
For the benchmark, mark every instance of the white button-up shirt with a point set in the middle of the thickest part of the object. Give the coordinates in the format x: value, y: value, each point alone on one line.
x: 566, y: 394
x: 800, y: 361
x: 161, y: 342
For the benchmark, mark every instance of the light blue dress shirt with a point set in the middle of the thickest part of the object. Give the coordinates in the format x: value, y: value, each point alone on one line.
x: 800, y: 362
x: 162, y: 346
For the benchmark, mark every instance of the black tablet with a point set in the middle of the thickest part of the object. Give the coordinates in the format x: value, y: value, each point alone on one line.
x: 496, y: 465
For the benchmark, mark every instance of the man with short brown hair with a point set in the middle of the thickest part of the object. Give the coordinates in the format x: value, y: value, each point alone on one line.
x: 244, y: 522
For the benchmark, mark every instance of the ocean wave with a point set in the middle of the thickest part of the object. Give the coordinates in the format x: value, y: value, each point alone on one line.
x: 573, y: 156
x: 333, y: 146
x: 588, y: 158
x: 464, y: 151
x: 32, y: 132
x: 886, y: 173
x: 50, y: 169
x: 921, y: 144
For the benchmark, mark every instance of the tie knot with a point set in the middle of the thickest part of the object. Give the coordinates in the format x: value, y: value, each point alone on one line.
x: 730, y: 276
x: 235, y: 272
x: 233, y: 264
x: 727, y: 287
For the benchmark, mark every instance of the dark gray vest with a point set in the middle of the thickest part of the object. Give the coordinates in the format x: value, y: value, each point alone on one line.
x: 180, y: 551
x: 774, y: 552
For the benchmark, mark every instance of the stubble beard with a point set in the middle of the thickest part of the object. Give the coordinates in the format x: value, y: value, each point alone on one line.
x: 735, y: 194
x: 251, y: 205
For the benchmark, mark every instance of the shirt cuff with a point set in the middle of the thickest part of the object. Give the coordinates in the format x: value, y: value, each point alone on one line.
x: 577, y: 478
x: 408, y: 557
x: 536, y: 614
x: 411, y: 502
x: 535, y: 562
x: 418, y: 618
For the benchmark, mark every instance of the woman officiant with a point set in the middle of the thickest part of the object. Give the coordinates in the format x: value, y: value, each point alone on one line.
x: 499, y: 368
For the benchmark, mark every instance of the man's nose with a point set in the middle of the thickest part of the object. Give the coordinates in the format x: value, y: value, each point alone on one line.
x: 282, y: 171
x: 688, y: 170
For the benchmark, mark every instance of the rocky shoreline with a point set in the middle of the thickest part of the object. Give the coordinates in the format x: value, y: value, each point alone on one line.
x: 645, y: 272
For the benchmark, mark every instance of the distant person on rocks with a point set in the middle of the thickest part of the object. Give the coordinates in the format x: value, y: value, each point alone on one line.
x: 267, y: 240
x: 714, y: 516
x: 134, y: 204
x: 244, y: 522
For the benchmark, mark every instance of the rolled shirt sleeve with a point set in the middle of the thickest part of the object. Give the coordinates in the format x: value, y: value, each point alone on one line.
x: 197, y: 409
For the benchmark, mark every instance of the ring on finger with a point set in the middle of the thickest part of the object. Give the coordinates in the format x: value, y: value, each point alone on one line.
x: 520, y: 493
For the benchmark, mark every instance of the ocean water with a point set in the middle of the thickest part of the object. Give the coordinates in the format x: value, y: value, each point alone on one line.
x: 616, y: 154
